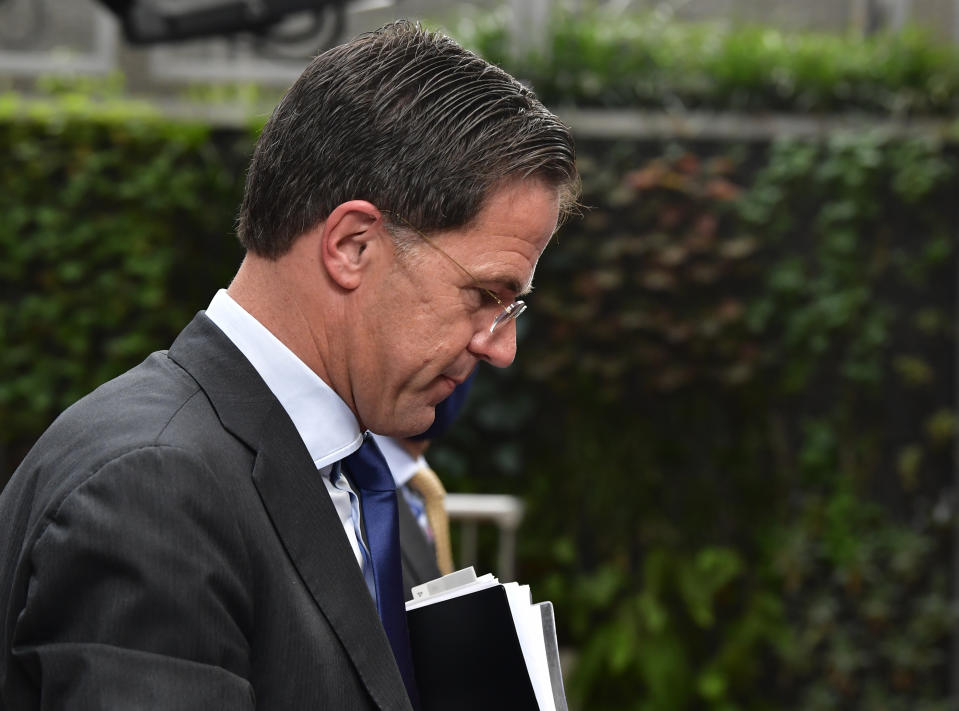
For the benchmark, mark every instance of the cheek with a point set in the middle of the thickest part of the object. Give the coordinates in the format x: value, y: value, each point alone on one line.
x: 439, y: 319
x: 421, y: 330
x: 432, y: 345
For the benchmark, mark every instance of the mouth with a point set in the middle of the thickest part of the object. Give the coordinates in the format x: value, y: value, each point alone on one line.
x: 449, y: 384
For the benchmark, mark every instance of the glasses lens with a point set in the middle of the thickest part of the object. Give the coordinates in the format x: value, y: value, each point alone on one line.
x: 510, y: 313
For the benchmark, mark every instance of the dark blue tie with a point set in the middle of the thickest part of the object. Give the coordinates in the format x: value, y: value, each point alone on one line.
x: 372, y: 477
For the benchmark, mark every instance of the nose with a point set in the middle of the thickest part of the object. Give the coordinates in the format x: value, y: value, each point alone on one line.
x: 497, y: 348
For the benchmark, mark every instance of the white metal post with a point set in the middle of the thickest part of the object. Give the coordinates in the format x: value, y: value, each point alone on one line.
x: 529, y: 30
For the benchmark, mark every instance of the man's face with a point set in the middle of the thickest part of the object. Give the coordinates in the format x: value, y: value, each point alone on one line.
x: 426, y: 323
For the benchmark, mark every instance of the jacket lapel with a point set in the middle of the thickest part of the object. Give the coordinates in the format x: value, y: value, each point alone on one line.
x: 297, y: 502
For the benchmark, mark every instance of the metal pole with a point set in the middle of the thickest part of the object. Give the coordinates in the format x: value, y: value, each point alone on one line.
x: 899, y: 13
x: 506, y: 558
x: 468, y: 544
x: 530, y: 25
x: 954, y: 661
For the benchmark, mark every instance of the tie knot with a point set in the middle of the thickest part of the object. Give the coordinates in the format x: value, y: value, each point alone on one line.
x: 368, y: 468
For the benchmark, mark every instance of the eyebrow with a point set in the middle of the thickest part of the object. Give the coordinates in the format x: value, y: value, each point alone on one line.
x: 507, y: 282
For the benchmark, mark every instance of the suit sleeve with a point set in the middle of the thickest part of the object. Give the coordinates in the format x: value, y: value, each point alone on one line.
x: 138, y: 595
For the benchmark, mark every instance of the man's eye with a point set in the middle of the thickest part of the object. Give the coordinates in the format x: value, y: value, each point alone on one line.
x: 489, y: 297
x: 474, y: 297
x: 481, y: 298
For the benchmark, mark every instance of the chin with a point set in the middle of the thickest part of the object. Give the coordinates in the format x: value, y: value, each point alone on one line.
x: 409, y: 424
x: 423, y: 424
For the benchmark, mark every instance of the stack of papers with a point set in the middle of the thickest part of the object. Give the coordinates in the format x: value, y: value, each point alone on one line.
x: 481, y: 644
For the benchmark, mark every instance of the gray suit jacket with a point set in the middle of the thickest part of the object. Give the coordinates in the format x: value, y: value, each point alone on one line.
x: 168, y: 544
x: 419, y: 557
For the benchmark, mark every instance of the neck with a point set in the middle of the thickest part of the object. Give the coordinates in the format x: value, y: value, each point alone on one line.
x: 270, y: 291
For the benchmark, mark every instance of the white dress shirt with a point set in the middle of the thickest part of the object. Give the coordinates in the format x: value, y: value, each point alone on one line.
x: 403, y: 466
x: 326, y: 425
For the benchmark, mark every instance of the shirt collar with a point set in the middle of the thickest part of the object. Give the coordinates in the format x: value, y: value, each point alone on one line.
x: 324, y: 422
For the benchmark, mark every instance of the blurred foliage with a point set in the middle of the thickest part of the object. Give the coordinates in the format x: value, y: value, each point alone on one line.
x: 732, y: 412
x: 113, y: 222
x: 732, y: 415
x: 602, y: 58
x: 869, y: 605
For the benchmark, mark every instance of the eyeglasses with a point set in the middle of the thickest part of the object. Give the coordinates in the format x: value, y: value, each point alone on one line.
x: 510, y: 312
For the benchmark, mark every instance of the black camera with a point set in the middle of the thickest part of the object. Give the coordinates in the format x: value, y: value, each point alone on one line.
x: 150, y: 21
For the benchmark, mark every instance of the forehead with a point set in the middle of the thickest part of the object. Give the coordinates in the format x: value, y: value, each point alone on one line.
x: 504, y: 242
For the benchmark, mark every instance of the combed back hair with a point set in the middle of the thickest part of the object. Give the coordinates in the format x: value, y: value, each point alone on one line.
x: 408, y: 120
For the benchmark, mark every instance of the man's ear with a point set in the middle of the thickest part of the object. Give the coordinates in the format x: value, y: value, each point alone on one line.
x: 350, y: 238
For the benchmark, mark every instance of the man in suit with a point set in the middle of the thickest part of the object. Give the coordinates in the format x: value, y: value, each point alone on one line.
x: 211, y: 529
x: 424, y: 525
x: 417, y: 543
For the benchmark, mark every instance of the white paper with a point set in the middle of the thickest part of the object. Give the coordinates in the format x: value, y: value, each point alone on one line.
x: 529, y: 628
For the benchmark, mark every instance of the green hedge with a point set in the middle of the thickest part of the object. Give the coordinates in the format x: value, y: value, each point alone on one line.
x: 594, y: 58
x: 114, y: 224
x: 733, y: 411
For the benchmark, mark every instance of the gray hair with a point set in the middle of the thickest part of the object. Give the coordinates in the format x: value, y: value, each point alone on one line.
x: 408, y: 120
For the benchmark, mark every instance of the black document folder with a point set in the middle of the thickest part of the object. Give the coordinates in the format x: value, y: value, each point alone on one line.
x: 468, y: 655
